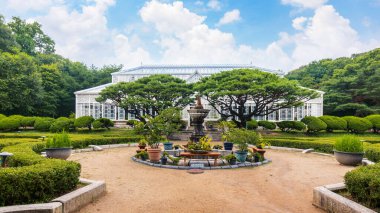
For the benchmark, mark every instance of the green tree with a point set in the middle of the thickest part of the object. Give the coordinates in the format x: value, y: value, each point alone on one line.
x: 30, y: 37
x: 229, y: 92
x: 149, y: 95
x: 20, y: 84
x: 7, y: 41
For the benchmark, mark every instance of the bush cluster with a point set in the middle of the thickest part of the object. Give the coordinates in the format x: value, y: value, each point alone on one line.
x: 314, y: 124
x: 288, y: 126
x: 364, y: 184
x: 62, y: 124
x: 84, y: 122
x: 357, y: 125
x: 32, y: 178
x: 267, y: 125
x: 375, y: 120
x: 102, y: 123
x: 252, y: 125
x: 334, y: 123
x: 43, y: 123
x: 9, y: 124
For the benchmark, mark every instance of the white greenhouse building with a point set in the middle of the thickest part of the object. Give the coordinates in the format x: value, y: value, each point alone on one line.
x: 87, y: 105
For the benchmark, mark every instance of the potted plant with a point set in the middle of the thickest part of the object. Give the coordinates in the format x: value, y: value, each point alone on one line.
x: 203, y: 146
x: 164, y: 158
x: 143, y: 155
x: 152, y: 131
x: 171, y: 118
x: 231, y: 159
x: 59, y: 146
x: 225, y: 127
x: 348, y: 150
x: 257, y: 157
x: 217, y: 147
x: 242, y: 138
x: 142, y: 143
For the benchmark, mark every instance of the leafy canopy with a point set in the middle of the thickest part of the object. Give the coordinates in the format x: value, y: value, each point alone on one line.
x: 149, y: 95
x: 228, y: 93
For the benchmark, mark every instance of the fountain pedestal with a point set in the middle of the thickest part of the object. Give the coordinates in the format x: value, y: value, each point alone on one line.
x: 197, y: 116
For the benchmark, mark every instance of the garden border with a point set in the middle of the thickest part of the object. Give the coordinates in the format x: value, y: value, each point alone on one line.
x: 67, y: 203
x: 238, y: 165
x: 325, y: 198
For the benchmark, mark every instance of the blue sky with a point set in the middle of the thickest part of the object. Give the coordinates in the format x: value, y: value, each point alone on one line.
x: 277, y: 34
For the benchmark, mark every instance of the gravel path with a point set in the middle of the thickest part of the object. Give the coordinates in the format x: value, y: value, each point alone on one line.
x: 285, y: 185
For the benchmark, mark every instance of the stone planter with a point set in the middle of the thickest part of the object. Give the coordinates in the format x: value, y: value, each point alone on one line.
x: 349, y: 158
x: 241, y: 155
x: 168, y: 145
x: 59, y: 153
x: 154, y: 155
x: 228, y: 145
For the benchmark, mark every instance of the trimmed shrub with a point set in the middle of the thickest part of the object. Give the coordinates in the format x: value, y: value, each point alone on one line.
x: 357, y: 125
x: 61, y: 124
x: 27, y: 121
x: 43, y: 123
x: 334, y: 123
x: 84, y: 143
x: 364, y: 184
x: 348, y: 143
x: 97, y: 124
x: 375, y: 120
x: 32, y: 178
x: 2, y: 116
x: 267, y: 125
x: 373, y: 154
x: 300, y: 144
x: 287, y: 126
x: 9, y: 124
x: 17, y: 117
x: 314, y: 124
x: 84, y: 122
x: 252, y: 125
x: 102, y: 123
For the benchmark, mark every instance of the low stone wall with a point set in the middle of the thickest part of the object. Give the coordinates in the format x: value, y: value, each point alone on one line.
x: 325, y: 198
x: 67, y: 203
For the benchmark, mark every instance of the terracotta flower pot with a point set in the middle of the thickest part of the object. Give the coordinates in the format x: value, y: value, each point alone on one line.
x: 154, y: 155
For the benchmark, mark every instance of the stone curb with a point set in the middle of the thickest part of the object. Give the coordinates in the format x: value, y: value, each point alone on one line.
x: 67, y: 203
x: 325, y: 198
x: 239, y: 165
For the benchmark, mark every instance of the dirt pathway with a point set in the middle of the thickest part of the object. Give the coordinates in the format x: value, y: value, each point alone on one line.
x: 285, y: 185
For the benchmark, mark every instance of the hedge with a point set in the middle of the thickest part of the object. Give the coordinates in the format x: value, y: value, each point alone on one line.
x: 267, y: 125
x: 32, y: 178
x: 287, y: 126
x: 84, y: 143
x: 375, y: 120
x: 334, y: 123
x: 61, y: 124
x: 314, y: 124
x: 364, y: 184
x: 84, y: 122
x: 252, y: 125
x: 357, y: 125
x: 299, y: 144
x: 28, y: 121
x: 43, y: 123
x: 9, y: 124
x: 2, y: 116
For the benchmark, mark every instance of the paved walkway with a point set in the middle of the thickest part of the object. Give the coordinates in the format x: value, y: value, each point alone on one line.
x: 285, y: 185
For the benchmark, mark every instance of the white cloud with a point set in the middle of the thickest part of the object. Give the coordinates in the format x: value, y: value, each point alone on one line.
x: 299, y: 23
x: 169, y: 18
x: 309, y: 4
x: 214, y: 4
x: 22, y: 6
x: 84, y: 36
x: 199, y: 3
x: 230, y: 17
x: 327, y: 35
x: 366, y: 21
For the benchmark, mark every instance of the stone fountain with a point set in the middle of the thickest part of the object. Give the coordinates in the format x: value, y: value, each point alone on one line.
x: 197, y: 117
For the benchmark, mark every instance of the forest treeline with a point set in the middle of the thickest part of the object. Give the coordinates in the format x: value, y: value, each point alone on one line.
x: 36, y: 81
x: 351, y: 84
